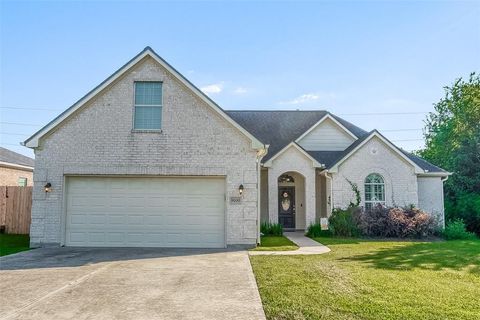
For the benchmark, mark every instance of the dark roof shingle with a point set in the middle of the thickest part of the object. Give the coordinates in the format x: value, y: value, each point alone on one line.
x: 15, y: 158
x: 279, y: 128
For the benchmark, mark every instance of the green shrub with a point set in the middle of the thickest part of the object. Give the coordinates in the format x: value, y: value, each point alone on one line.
x: 271, y: 229
x: 456, y: 230
x: 345, y: 222
x: 467, y: 208
x: 315, y: 230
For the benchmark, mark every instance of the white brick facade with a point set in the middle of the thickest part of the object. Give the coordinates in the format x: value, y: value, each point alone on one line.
x: 430, y: 196
x: 292, y: 160
x: 98, y: 140
x: 376, y: 157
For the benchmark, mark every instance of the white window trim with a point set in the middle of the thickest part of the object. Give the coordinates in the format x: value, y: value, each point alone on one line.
x: 147, y: 105
x: 374, y: 202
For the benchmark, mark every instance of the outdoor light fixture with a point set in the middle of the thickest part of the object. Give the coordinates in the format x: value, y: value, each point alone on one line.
x: 240, y: 189
x: 48, y: 187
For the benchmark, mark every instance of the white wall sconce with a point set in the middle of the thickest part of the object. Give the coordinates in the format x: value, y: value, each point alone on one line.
x: 240, y: 189
x: 48, y: 187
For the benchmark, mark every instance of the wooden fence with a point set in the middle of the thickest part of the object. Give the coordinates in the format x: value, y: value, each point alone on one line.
x: 15, y: 209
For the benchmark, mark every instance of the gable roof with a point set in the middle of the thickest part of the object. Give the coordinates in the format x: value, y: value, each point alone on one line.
x: 32, y: 142
x: 13, y: 158
x: 421, y: 166
x: 279, y: 128
x: 323, y: 119
x: 424, y: 164
x: 295, y: 145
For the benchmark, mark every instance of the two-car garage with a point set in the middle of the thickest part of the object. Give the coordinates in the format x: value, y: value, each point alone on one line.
x: 145, y: 212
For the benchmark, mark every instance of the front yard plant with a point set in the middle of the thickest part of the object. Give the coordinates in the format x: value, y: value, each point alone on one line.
x: 271, y: 229
x: 315, y: 230
x: 456, y: 230
x: 380, y: 221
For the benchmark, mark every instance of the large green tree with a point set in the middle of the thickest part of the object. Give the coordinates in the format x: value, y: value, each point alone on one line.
x: 452, y: 135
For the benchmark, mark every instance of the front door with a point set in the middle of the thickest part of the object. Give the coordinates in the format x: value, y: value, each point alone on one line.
x: 286, y: 207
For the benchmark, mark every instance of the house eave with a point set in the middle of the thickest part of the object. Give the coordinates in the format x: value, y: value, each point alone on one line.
x: 15, y: 166
x: 315, y: 163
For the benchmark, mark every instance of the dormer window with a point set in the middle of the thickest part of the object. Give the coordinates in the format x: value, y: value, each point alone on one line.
x: 148, y: 105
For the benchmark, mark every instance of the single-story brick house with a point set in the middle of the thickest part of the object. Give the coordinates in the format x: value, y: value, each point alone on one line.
x: 15, y: 169
x: 147, y: 159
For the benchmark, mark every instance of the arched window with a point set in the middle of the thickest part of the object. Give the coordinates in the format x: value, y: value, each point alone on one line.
x: 374, y: 191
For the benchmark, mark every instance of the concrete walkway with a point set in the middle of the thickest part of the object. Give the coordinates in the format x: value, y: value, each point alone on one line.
x: 306, y: 246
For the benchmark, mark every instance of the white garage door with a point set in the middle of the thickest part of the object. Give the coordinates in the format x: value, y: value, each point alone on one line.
x: 145, y: 212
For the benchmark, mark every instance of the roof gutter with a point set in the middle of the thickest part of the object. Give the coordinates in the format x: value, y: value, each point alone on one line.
x: 15, y: 166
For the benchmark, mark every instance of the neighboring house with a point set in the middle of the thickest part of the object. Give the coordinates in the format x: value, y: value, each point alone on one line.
x: 15, y: 169
x: 147, y: 159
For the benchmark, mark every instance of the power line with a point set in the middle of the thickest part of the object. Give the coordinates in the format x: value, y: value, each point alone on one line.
x: 395, y: 130
x: 31, y: 108
x: 407, y: 140
x: 13, y: 134
x: 382, y: 113
x: 12, y: 144
x: 340, y: 114
x: 20, y: 124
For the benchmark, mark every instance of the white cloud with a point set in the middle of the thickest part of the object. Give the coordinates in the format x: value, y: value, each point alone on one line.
x: 213, y: 88
x: 240, y: 90
x: 309, y: 97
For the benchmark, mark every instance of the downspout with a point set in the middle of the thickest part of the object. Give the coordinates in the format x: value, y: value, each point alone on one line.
x: 260, y: 154
x: 445, y: 178
x: 328, y: 177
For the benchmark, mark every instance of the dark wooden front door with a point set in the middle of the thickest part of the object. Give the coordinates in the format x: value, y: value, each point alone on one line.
x: 286, y: 207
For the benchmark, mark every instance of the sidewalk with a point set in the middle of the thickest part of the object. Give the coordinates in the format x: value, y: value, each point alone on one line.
x: 306, y: 246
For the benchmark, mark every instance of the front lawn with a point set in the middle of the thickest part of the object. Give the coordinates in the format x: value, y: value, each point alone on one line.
x: 361, y: 279
x: 13, y: 243
x: 275, y: 243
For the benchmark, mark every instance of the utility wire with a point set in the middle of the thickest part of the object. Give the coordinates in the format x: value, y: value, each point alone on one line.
x: 11, y: 144
x: 31, y: 108
x: 13, y: 134
x: 382, y: 113
x: 407, y: 140
x: 20, y: 124
x: 340, y: 114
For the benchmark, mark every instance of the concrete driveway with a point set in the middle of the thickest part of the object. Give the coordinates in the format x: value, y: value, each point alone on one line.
x: 128, y: 283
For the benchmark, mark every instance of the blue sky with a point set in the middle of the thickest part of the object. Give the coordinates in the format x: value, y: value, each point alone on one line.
x: 359, y: 60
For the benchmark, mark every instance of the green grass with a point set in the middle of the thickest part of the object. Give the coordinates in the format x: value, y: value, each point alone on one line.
x: 275, y: 243
x: 367, y: 279
x: 13, y: 243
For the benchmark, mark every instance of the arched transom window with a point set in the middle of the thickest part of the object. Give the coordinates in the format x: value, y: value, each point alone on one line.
x: 374, y: 191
